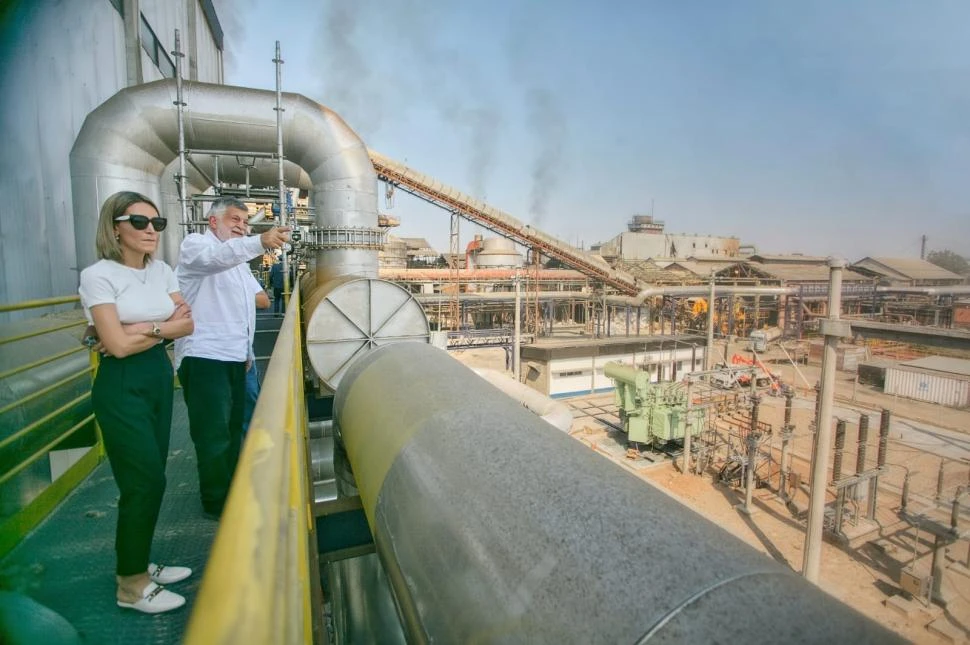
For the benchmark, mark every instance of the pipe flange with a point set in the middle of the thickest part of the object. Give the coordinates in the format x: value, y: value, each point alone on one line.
x: 344, y: 237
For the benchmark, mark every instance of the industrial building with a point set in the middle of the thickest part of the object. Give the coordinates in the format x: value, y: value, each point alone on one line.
x: 647, y: 240
x: 386, y: 492
x: 109, y: 45
x: 569, y: 368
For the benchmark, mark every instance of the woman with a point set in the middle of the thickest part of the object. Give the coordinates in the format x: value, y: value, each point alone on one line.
x: 135, y: 305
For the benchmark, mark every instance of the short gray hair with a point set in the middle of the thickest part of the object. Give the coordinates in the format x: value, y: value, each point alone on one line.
x: 221, y: 205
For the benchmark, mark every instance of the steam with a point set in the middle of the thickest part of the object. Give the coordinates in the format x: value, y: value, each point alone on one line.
x: 362, y: 89
x: 347, y: 82
x: 548, y: 123
x: 230, y: 14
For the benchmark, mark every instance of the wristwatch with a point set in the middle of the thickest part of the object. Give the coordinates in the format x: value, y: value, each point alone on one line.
x: 156, y: 330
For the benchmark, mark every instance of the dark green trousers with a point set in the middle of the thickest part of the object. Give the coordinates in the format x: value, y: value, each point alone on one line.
x: 215, y: 395
x: 132, y: 400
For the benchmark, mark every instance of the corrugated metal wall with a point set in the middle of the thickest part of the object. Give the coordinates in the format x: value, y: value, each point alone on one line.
x: 58, y: 61
x: 927, y: 386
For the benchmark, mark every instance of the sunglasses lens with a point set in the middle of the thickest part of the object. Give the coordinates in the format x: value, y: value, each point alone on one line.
x: 138, y: 222
x: 159, y: 224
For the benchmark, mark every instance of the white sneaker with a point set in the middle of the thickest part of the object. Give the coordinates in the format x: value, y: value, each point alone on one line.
x: 163, y: 575
x: 155, y: 600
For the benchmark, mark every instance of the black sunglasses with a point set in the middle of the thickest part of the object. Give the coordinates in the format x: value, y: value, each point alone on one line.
x: 140, y: 222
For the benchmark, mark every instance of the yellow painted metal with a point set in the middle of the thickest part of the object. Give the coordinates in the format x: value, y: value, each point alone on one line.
x: 371, y: 448
x: 42, y: 361
x: 50, y: 416
x: 257, y: 583
x: 14, y: 528
x: 43, y: 451
x: 41, y: 332
x: 47, y: 390
x: 34, y: 304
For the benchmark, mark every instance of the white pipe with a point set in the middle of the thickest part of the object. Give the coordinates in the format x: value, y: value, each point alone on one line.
x: 929, y: 291
x: 702, y: 290
x: 552, y: 412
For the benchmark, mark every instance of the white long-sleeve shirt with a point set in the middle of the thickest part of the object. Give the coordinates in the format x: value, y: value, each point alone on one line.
x: 216, y: 282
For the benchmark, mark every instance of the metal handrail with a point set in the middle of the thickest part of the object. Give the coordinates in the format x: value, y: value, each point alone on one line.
x: 258, y: 582
x: 45, y: 449
x: 14, y: 527
x: 50, y: 416
x: 42, y: 361
x: 43, y: 302
x: 41, y: 332
x: 47, y: 390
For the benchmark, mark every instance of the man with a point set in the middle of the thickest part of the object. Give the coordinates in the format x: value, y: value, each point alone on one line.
x: 276, y: 281
x: 215, y: 280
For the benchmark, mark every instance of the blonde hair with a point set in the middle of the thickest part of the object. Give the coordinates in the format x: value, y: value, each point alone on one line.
x: 106, y: 242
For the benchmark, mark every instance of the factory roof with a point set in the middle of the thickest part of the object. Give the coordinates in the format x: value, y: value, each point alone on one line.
x: 793, y: 258
x: 946, y: 364
x: 805, y: 272
x: 614, y: 346
x: 418, y: 246
x: 907, y: 269
x: 649, y: 271
x: 699, y: 267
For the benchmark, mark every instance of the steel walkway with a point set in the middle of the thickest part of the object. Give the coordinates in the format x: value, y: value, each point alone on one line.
x: 67, y: 563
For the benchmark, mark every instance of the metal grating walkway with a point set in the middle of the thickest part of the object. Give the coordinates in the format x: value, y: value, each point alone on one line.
x: 67, y: 563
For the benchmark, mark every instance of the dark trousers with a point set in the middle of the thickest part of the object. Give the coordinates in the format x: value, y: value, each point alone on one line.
x: 278, y: 300
x: 215, y: 395
x: 132, y: 400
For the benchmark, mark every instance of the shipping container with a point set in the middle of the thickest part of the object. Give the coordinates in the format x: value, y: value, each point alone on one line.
x: 914, y: 380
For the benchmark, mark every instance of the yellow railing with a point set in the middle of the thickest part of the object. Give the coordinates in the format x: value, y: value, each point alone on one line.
x: 17, y: 525
x: 261, y: 578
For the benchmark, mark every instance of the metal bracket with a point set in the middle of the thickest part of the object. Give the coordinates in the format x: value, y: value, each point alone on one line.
x: 840, y: 328
x: 335, y: 237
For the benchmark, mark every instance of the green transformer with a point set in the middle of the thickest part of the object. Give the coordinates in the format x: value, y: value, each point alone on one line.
x: 652, y: 413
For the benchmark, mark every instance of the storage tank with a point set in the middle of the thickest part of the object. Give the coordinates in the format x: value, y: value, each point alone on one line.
x: 497, y: 252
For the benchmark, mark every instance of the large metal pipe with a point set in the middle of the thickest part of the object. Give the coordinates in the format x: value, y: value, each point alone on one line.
x: 127, y: 142
x: 555, y: 413
x: 494, y: 527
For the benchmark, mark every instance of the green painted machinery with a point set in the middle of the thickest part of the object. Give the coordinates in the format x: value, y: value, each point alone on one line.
x: 652, y: 413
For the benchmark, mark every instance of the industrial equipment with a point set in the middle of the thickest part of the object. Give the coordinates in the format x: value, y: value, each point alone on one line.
x: 761, y: 337
x: 652, y: 413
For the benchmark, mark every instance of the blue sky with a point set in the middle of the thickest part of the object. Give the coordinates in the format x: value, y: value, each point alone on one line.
x: 822, y: 127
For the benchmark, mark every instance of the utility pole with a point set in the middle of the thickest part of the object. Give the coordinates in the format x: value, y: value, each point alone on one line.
x: 281, y: 186
x: 922, y: 247
x: 833, y: 329
x: 709, y: 354
x: 517, y: 328
x: 688, y: 429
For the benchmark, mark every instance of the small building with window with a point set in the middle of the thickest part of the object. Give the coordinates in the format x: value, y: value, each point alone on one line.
x: 563, y: 368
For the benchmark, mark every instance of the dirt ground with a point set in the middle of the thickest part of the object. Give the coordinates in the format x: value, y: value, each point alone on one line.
x: 863, y: 571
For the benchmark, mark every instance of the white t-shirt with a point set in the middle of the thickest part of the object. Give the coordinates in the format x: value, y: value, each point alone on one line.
x: 140, y: 295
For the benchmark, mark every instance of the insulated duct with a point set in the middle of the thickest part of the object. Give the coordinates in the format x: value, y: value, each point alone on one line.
x: 494, y: 527
x: 127, y: 142
x: 555, y: 413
